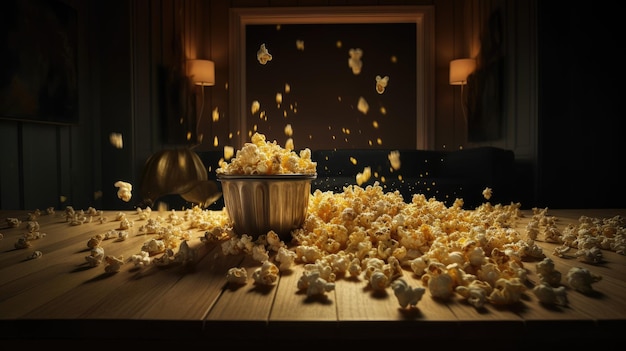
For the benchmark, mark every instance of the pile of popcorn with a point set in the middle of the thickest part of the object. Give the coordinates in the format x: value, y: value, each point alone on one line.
x: 262, y: 157
x: 369, y: 234
x: 373, y: 235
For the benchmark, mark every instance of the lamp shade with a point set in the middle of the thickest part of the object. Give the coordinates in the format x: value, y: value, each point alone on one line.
x: 201, y: 72
x: 460, y: 69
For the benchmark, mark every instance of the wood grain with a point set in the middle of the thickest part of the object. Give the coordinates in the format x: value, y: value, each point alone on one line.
x: 59, y: 295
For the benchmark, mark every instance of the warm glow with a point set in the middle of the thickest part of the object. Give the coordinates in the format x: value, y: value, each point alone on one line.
x: 201, y: 72
x: 460, y: 69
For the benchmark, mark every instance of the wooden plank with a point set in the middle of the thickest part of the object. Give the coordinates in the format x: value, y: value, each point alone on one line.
x: 293, y: 312
x: 196, y: 302
x: 69, y: 288
x: 242, y: 311
x: 292, y: 304
x: 196, y: 292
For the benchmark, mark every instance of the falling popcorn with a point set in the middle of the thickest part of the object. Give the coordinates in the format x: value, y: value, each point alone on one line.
x: 289, y: 145
x: 263, y: 55
x: 116, y: 140
x: 124, y: 191
x: 300, y: 45
x: 354, y: 61
x: 229, y: 151
x: 288, y: 130
x: 381, y: 84
x: 363, y: 106
x: 256, y: 106
x: 394, y: 159
x: 364, y: 176
x: 487, y: 193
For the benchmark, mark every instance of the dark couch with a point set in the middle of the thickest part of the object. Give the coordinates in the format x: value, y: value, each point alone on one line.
x: 444, y: 175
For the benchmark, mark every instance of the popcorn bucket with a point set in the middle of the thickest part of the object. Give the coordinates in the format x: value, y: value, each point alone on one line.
x: 257, y: 204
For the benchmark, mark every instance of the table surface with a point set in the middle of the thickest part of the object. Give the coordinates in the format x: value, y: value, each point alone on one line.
x: 59, y: 296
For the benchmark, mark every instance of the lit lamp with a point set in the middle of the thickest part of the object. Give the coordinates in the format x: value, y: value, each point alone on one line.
x: 202, y: 73
x: 460, y: 69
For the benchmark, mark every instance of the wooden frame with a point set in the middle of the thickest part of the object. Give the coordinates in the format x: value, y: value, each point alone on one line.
x: 421, y: 16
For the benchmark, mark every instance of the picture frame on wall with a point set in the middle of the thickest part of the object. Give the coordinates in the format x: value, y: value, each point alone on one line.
x: 38, y: 65
x: 310, y: 85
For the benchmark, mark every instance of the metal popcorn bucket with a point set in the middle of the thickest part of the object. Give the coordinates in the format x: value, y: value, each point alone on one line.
x: 257, y: 204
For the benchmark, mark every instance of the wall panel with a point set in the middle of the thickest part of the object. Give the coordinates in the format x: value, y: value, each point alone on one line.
x: 10, y: 168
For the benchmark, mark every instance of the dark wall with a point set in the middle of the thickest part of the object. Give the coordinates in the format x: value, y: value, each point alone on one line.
x: 581, y: 119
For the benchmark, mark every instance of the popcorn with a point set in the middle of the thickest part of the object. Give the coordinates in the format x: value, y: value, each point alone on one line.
x: 507, y: 291
x: 381, y: 84
x: 406, y: 294
x: 267, y: 274
x: 362, y: 105
x: 113, y: 264
x: 36, y: 254
x: 592, y: 255
x: 265, y: 158
x: 313, y: 283
x: 263, y: 55
x: 475, y: 292
x: 366, y: 232
x: 95, y: 241
x: 286, y: 258
x: 153, y: 246
x: 550, y: 295
x: 22, y: 243
x: 144, y: 214
x: 229, y: 152
x: 124, y: 191
x: 141, y: 259
x: 122, y: 235
x: 185, y: 254
x: 363, y: 177
x: 259, y: 253
x: 13, y: 222
x: 581, y: 279
x: 394, y: 159
x: 96, y: 257
x: 354, y: 62
x: 288, y: 130
x: 125, y: 224
x: 237, y: 275
x: 116, y: 140
x: 547, y: 274
x: 440, y: 283
x: 487, y: 193
x: 254, y: 108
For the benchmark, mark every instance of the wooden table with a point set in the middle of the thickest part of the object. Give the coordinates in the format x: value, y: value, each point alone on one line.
x: 58, y: 297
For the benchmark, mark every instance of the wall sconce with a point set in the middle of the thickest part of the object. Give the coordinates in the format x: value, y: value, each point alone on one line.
x: 201, y: 73
x: 460, y: 69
